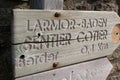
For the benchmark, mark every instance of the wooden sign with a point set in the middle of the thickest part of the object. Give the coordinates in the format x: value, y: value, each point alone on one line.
x: 44, y: 40
x: 93, y: 70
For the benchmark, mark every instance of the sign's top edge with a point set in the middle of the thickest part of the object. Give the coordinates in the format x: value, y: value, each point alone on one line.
x: 63, y: 10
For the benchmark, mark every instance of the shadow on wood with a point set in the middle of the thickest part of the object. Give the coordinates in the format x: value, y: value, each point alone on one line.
x: 6, y: 64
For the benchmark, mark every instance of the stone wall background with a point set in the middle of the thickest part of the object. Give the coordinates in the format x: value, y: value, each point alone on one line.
x: 6, y: 6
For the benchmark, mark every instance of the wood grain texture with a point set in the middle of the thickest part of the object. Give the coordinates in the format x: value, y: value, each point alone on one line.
x: 115, y: 58
x: 92, y: 70
x: 84, y: 43
x: 47, y: 4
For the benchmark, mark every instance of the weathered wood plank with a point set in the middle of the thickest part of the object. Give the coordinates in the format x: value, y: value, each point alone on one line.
x: 47, y: 4
x: 35, y: 21
x: 68, y: 38
x: 92, y: 70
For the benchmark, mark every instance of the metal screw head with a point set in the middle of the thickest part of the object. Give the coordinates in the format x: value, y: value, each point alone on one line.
x: 57, y: 14
x: 55, y: 65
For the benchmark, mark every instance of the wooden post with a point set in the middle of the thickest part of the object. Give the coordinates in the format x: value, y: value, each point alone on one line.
x: 46, y: 4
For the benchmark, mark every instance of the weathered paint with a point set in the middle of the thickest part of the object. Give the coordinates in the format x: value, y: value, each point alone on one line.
x: 72, y: 37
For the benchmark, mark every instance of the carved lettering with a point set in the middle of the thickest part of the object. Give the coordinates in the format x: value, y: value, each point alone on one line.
x: 91, y: 23
x: 92, y: 35
x: 42, y: 38
x: 48, y: 41
x: 51, y: 25
x: 36, y: 59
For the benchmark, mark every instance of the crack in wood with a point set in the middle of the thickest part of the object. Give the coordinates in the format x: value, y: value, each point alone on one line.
x: 54, y: 41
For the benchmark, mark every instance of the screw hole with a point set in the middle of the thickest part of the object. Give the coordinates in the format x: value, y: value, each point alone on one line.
x: 39, y: 34
x: 22, y: 56
x: 117, y: 33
